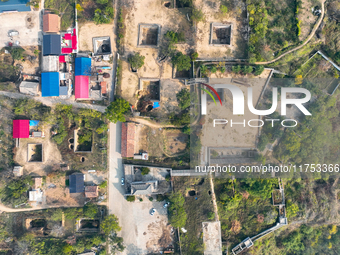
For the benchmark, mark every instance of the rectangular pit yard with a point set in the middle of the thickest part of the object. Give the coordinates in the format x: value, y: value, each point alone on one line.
x: 148, y: 35
x: 34, y: 152
x: 221, y: 34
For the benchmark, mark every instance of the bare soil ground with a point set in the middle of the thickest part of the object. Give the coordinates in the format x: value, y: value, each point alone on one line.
x: 51, y: 154
x: 31, y: 63
x: 150, y: 12
x: 238, y: 136
x: 149, y: 140
x: 175, y: 141
x: 60, y: 195
x: 90, y: 30
x: 307, y: 18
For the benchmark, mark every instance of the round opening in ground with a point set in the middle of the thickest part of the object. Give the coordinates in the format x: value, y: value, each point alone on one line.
x: 29, y: 19
x: 192, y: 193
x: 71, y: 146
x: 209, y: 192
x: 71, y: 140
x: 167, y: 4
x: 149, y: 108
x: 82, y: 159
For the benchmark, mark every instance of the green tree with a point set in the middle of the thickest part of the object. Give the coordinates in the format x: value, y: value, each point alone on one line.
x: 258, y: 69
x: 223, y: 9
x: 293, y: 243
x: 90, y: 210
x: 103, y: 185
x: 214, y: 69
x: 175, y: 37
x: 57, y: 214
x: 116, y: 244
x: 247, y: 69
x: 16, y: 52
x: 103, y: 2
x: 183, y: 98
x: 145, y: 170
x: 182, y: 62
x: 136, y: 61
x: 116, y: 110
x: 110, y: 224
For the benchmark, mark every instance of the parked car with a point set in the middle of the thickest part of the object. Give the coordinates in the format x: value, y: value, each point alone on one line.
x: 123, y: 181
x: 166, y: 204
x: 153, y: 210
x: 12, y: 33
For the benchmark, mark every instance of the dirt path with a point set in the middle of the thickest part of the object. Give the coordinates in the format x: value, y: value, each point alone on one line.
x: 217, y: 218
x: 52, y: 101
x: 149, y: 123
x: 7, y: 209
x: 305, y: 42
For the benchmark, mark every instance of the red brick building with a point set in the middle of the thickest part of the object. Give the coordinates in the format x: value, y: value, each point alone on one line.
x: 128, y: 139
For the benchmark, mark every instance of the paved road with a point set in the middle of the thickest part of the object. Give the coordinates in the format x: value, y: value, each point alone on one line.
x: 305, y: 42
x: 117, y: 203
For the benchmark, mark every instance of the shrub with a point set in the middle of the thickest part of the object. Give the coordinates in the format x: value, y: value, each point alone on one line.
x: 263, y: 141
x: 258, y: 70
x: 175, y: 37
x: 16, y: 52
x: 223, y: 69
x: 103, y: 185
x: 136, y: 61
x: 131, y: 198
x: 141, y: 200
x: 197, y: 15
x: 211, y: 215
x: 223, y: 9
x: 181, y: 61
x: 214, y: 69
x: 145, y: 170
x: 160, y: 198
x: 194, y: 56
x: 151, y: 199
x: 236, y: 69
x: 247, y: 69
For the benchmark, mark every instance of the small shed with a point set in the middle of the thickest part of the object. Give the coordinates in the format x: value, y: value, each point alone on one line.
x: 35, y: 195
x: 81, y: 89
x: 82, y: 66
x: 103, y: 86
x: 18, y: 171
x: 76, y: 182
x: 29, y: 87
x: 91, y: 191
x: 50, y: 84
x: 21, y: 128
x: 51, y: 23
x: 51, y: 44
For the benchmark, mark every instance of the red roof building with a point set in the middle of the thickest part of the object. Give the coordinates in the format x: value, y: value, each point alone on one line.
x: 91, y: 191
x: 128, y: 139
x: 104, y: 87
x: 51, y: 23
x: 21, y: 128
x: 62, y: 59
x: 81, y: 89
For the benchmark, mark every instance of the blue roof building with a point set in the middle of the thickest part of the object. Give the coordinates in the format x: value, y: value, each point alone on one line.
x: 76, y: 182
x: 51, y: 44
x: 50, y: 84
x: 82, y: 66
x: 14, y: 5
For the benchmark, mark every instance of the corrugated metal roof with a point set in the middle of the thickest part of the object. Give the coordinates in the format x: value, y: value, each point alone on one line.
x: 50, y: 84
x: 21, y: 129
x: 82, y: 66
x: 128, y: 139
x: 51, y: 44
x: 63, y: 90
x: 76, y: 182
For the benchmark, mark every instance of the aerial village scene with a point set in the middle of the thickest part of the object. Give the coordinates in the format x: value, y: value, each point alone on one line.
x: 121, y: 131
